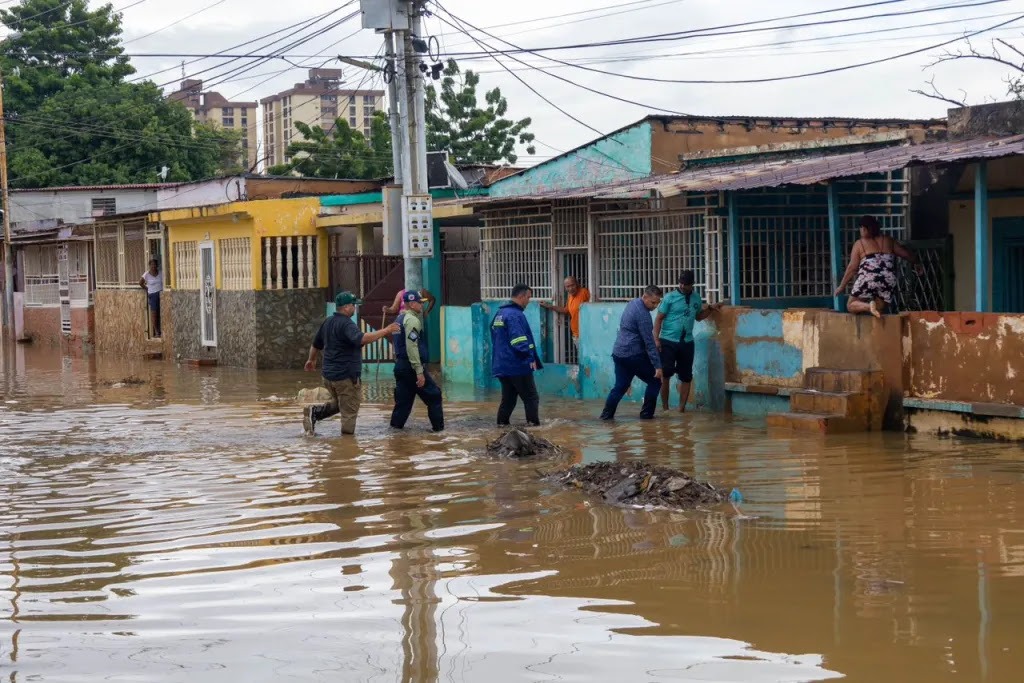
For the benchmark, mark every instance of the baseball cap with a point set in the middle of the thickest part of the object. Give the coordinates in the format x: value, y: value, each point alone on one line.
x: 346, y: 298
x: 412, y: 297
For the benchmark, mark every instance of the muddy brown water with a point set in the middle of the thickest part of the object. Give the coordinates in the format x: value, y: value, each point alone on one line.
x: 185, y: 530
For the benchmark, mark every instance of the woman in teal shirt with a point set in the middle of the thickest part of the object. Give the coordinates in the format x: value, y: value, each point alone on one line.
x: 673, y: 334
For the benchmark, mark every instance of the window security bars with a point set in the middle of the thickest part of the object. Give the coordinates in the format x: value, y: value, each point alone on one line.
x: 515, y: 247
x: 290, y: 263
x: 186, y: 265
x: 236, y: 264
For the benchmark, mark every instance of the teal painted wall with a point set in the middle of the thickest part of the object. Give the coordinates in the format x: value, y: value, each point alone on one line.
x: 762, y: 354
x: 626, y: 155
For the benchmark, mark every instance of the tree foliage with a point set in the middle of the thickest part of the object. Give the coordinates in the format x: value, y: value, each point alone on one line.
x: 342, y: 153
x: 473, y: 134
x: 73, y: 119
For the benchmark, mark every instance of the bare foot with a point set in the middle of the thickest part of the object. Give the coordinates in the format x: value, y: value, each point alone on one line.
x: 874, y: 309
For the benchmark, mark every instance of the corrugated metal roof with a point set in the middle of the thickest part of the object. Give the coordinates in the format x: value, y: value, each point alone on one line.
x: 94, y: 188
x: 803, y: 170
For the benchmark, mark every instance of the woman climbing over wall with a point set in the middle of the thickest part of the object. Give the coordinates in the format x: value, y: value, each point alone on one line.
x: 873, y: 261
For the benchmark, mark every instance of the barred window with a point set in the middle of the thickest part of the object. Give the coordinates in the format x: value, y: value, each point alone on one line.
x: 515, y: 247
x: 186, y: 265
x: 236, y: 264
x: 42, y: 283
x: 290, y: 263
x: 104, y: 206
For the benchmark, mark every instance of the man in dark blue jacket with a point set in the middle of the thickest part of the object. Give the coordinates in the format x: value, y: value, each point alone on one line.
x: 635, y: 354
x: 514, y: 357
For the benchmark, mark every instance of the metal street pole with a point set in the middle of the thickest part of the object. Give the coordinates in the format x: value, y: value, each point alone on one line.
x: 414, y: 182
x: 4, y: 197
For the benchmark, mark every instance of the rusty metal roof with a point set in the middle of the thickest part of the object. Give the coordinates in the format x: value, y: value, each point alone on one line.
x: 774, y: 172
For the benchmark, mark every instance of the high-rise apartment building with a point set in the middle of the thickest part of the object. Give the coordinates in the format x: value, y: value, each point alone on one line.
x: 319, y: 101
x: 212, y: 107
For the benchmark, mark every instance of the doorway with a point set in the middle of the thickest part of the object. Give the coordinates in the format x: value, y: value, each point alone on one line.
x: 207, y: 294
x: 155, y: 250
x: 1007, y: 265
x: 570, y: 262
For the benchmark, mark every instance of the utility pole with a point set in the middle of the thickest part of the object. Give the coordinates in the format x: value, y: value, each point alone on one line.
x: 5, y: 198
x: 400, y: 22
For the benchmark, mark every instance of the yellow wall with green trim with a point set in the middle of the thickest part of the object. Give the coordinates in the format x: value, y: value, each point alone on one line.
x: 252, y: 219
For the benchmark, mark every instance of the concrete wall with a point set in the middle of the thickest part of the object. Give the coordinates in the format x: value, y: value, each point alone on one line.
x: 961, y: 226
x: 674, y: 136
x: 42, y: 325
x: 967, y: 357
x: 75, y: 206
x: 622, y: 156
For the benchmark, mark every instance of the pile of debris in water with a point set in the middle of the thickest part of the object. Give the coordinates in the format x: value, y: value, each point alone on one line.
x: 518, y: 443
x: 640, y: 484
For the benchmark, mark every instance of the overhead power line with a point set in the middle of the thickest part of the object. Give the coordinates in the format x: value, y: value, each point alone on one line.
x: 175, y: 23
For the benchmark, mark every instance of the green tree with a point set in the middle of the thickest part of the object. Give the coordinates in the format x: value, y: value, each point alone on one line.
x: 343, y: 153
x: 471, y: 133
x: 115, y: 133
x: 56, y: 44
x: 72, y: 118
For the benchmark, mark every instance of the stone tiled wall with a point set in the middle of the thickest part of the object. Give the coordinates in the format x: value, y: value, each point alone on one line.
x: 236, y: 328
x: 286, y: 322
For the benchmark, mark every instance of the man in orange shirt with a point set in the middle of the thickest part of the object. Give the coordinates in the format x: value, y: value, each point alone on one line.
x: 577, y: 297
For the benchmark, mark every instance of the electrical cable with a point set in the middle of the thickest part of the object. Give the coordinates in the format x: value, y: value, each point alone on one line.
x: 175, y: 23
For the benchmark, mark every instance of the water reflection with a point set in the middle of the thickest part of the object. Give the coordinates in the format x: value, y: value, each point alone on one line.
x: 182, y: 528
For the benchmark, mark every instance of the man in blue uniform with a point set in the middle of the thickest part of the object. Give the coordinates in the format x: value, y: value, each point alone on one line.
x: 673, y: 333
x: 514, y: 357
x: 411, y: 378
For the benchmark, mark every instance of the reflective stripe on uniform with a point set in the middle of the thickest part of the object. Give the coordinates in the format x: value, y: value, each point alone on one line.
x: 517, y: 340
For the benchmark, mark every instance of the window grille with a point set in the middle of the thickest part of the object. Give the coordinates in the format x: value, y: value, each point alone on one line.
x: 136, y: 260
x: 648, y: 249
x: 236, y: 264
x: 515, y: 247
x: 785, y: 256
x: 290, y: 262
x: 186, y: 265
x: 104, y: 206
x: 107, y: 245
x: 569, y: 221
x: 78, y: 273
x: 42, y: 282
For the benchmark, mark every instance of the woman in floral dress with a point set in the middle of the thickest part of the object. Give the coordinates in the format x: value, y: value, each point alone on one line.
x: 873, y: 262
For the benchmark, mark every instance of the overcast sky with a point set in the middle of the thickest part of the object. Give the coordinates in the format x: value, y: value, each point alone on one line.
x: 874, y: 91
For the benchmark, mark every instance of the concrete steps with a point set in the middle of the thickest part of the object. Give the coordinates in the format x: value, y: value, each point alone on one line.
x: 835, y: 401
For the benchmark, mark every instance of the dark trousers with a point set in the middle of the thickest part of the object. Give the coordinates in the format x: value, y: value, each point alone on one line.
x: 625, y: 370
x: 514, y: 388
x: 406, y: 392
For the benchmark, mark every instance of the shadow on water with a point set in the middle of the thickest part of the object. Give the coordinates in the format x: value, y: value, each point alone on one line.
x: 181, y: 527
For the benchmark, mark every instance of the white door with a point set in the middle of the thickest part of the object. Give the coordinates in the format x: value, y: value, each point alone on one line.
x: 207, y: 294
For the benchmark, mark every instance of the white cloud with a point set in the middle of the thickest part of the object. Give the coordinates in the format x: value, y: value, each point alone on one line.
x: 877, y: 91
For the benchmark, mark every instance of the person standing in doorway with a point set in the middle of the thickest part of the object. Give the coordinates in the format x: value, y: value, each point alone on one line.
x: 576, y: 297
x: 514, y: 357
x: 673, y: 333
x: 153, y: 282
x: 636, y: 355
x: 341, y: 342
x: 411, y: 378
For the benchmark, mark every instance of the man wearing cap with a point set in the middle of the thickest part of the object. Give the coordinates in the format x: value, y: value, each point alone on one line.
x: 341, y: 343
x: 411, y: 378
x: 673, y: 333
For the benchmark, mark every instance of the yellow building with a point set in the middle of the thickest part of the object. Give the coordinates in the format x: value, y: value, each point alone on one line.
x: 248, y: 281
x: 213, y: 108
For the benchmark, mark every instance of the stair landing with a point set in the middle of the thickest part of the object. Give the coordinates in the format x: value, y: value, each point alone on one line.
x: 835, y: 401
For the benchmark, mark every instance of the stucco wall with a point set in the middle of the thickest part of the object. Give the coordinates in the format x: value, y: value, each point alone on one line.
x: 682, y: 136
x: 622, y: 156
x: 967, y: 357
x: 42, y: 324
x: 75, y: 206
x: 961, y: 226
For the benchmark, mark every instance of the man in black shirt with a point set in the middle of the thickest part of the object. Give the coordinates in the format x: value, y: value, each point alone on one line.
x: 342, y: 345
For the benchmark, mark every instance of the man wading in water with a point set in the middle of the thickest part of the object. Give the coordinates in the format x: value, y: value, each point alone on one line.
x: 673, y: 334
x: 342, y: 345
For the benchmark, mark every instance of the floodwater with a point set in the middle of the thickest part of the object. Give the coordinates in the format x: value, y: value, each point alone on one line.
x: 183, y: 529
